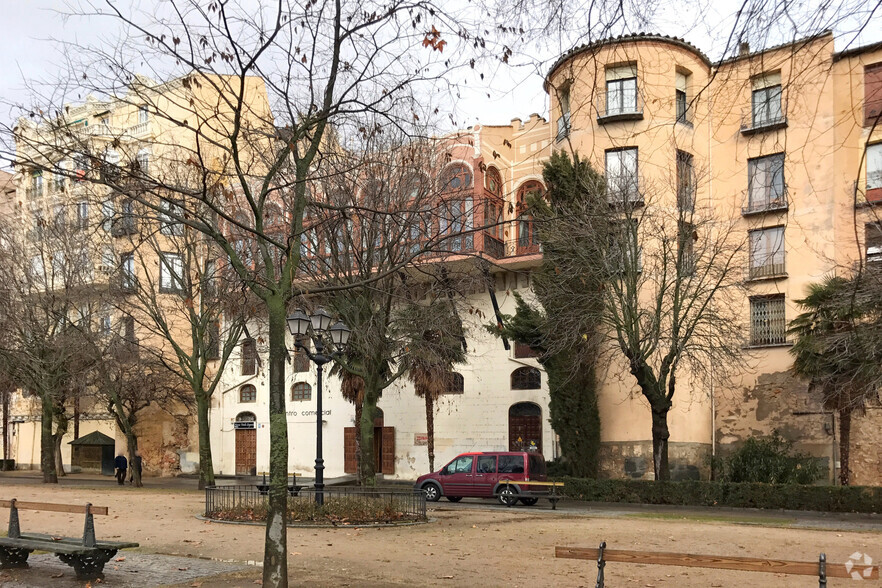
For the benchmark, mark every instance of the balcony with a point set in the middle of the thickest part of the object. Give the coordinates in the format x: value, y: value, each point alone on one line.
x: 752, y: 124
x: 139, y: 129
x: 563, y: 127
x: 628, y: 107
x: 766, y: 271
x: 493, y: 247
x: 764, y: 205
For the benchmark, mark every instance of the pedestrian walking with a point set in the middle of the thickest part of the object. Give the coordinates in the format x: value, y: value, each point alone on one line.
x: 121, y: 464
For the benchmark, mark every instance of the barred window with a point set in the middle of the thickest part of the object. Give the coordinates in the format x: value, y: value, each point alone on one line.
x: 249, y: 357
x: 526, y: 378
x: 768, y: 324
x: 247, y: 393
x: 765, y: 183
x: 301, y: 391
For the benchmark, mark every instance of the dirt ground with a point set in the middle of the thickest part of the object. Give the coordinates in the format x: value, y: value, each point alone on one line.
x: 486, y: 547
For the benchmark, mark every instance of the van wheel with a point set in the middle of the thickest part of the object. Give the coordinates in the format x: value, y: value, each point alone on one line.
x: 508, y: 496
x: 433, y: 492
x: 454, y: 498
x: 529, y: 501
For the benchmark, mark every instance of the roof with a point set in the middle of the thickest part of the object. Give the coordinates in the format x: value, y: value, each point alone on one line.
x: 802, y: 41
x: 634, y: 38
x: 94, y: 438
x: 857, y: 51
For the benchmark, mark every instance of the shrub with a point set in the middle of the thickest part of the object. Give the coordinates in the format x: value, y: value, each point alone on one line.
x: 865, y: 499
x: 772, y: 461
x: 335, y: 511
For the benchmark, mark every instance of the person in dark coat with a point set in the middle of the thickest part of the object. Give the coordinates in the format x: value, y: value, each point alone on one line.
x: 121, y: 464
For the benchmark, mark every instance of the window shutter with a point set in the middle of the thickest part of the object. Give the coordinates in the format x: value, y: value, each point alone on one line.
x: 350, y: 460
x: 872, y: 93
x: 388, y: 463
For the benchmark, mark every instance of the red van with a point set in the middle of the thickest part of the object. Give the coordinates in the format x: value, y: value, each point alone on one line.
x: 484, y: 474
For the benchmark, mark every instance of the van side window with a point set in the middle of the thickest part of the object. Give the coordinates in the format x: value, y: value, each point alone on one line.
x: 463, y: 465
x: 487, y: 464
x: 511, y: 464
x: 537, y: 465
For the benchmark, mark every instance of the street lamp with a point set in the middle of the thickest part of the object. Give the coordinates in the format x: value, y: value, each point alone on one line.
x: 316, y: 327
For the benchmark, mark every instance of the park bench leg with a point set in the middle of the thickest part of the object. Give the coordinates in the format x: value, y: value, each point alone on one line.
x: 14, y: 557
x: 600, y: 565
x: 88, y: 567
x: 822, y: 571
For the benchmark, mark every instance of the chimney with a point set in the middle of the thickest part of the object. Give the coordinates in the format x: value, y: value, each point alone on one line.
x: 743, y: 48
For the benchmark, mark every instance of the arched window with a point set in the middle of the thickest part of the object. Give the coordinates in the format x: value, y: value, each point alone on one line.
x: 247, y: 393
x: 494, y: 181
x: 456, y: 177
x: 249, y: 357
x: 301, y: 391
x: 526, y: 378
x: 457, y: 384
x: 527, y: 241
x: 246, y: 417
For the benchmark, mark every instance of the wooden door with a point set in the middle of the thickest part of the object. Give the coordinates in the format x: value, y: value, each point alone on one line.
x: 350, y: 459
x: 246, y: 452
x: 387, y: 450
x: 525, y: 428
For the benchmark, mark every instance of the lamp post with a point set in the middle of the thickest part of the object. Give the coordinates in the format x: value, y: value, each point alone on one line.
x: 317, y: 327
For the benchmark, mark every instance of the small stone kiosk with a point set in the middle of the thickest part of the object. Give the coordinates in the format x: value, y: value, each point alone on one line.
x: 93, y: 454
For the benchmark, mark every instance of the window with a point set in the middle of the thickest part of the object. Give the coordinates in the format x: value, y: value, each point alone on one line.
x: 765, y: 184
x: 767, y: 320
x: 39, y: 224
x: 82, y: 215
x: 208, y: 279
x: 212, y: 350
x: 109, y: 167
x: 874, y: 173
x: 171, y: 273
x: 461, y: 465
x: 36, y: 183
x: 621, y: 90
x: 167, y: 223
x: 872, y: 94
x: 486, y: 464
x: 142, y: 161
x: 522, y: 351
x: 494, y: 182
x: 493, y: 218
x: 108, y: 260
x: 873, y: 241
x: 766, y: 107
x: 143, y: 114
x: 457, y: 220
x: 766, y: 253
x: 624, y: 254
x: 622, y: 185
x: 301, y: 391
x: 528, y: 241
x: 107, y: 215
x: 105, y: 323
x: 456, y: 177
x: 128, y: 280
x: 687, y: 236
x: 128, y: 323
x: 511, y: 464
x: 247, y: 393
x: 125, y: 223
x: 59, y: 217
x: 564, y: 122
x: 685, y: 182
x: 681, y: 96
x: 526, y: 378
x: 249, y: 357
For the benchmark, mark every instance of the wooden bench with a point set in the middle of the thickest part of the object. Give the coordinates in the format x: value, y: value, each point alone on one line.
x: 820, y: 569
x: 551, y: 494
x: 86, y: 556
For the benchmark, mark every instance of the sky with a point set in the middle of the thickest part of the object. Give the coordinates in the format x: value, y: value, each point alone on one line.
x: 28, y: 29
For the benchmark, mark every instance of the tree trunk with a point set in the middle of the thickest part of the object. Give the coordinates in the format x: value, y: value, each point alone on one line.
x: 844, y: 444
x: 358, y: 413
x: 6, y: 393
x: 60, y: 431
x: 660, y: 436
x: 132, y: 442
x: 430, y: 429
x: 367, y: 464
x: 47, y: 443
x: 206, y: 465
x: 275, y: 562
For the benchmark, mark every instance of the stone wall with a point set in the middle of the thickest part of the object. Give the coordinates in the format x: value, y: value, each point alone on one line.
x: 633, y: 459
x: 866, y: 448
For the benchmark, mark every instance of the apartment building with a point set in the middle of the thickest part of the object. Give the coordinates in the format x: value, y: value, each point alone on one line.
x: 64, y: 176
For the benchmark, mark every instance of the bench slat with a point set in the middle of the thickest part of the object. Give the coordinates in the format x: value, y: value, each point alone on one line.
x: 78, y: 541
x: 53, y: 546
x: 744, y: 564
x: 72, y: 508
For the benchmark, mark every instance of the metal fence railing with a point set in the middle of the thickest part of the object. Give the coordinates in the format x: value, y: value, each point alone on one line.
x: 354, y: 505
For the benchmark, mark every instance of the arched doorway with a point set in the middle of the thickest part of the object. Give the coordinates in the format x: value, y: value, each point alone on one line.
x: 525, y: 427
x: 246, y: 444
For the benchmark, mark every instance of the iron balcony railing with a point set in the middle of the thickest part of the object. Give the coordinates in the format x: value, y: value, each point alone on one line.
x: 493, y: 247
x: 762, y: 204
x: 771, y: 120
x: 619, y: 106
x: 767, y: 269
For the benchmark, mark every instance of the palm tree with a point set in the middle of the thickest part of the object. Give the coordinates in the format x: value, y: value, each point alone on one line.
x: 836, y: 349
